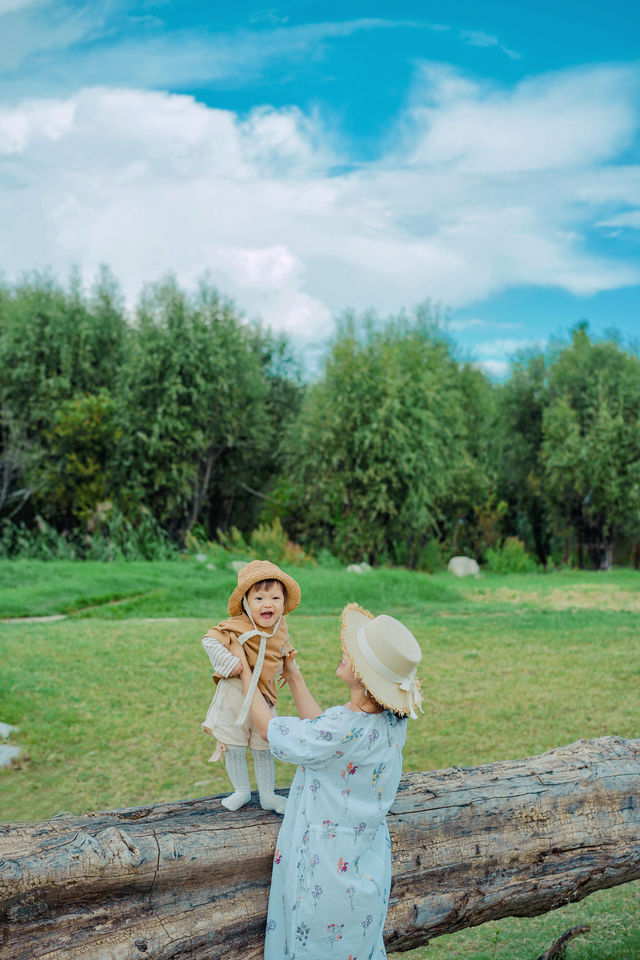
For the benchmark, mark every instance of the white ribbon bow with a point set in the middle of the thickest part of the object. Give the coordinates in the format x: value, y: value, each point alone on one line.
x: 257, y: 670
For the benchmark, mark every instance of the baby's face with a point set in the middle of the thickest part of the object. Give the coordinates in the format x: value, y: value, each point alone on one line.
x: 266, y: 606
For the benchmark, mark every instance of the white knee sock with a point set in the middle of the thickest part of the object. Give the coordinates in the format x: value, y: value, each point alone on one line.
x: 266, y: 780
x: 235, y: 759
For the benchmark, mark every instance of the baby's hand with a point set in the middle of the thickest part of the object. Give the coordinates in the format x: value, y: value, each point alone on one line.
x: 235, y: 671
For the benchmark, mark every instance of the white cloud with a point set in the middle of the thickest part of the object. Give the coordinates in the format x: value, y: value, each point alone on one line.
x: 507, y: 347
x: 460, y: 324
x: 495, y: 357
x: 629, y: 219
x: 478, y: 38
x: 556, y: 121
x: 496, y: 369
x: 44, y: 28
x: 486, y: 190
x: 7, y: 6
x: 35, y: 48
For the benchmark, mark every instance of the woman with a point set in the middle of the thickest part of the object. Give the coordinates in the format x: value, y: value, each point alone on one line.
x: 332, y: 866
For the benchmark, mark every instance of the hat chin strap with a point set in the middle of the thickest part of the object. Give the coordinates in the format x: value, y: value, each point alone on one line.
x: 408, y: 684
x: 257, y: 670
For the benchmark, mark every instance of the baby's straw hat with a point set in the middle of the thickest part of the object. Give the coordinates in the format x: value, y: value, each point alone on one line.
x: 256, y: 572
x: 384, y: 656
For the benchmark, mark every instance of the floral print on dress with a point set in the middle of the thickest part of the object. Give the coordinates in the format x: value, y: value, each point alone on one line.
x: 374, y: 882
x: 314, y: 786
x: 352, y: 735
x: 348, y: 771
x: 375, y: 779
x: 329, y: 829
x: 368, y: 920
x: 302, y: 933
x: 377, y: 773
x: 342, y: 865
x: 335, y: 932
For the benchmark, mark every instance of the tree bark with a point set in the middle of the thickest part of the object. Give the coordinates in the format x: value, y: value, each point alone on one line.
x: 191, y: 879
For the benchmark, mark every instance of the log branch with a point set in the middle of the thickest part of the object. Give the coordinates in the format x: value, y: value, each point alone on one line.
x: 190, y: 880
x: 558, y: 948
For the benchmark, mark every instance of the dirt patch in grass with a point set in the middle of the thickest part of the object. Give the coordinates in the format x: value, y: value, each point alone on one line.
x: 569, y: 598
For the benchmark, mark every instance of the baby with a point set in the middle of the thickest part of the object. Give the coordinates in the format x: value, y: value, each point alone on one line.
x: 257, y: 606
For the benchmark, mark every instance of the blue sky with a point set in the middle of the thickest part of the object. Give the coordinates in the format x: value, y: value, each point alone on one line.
x: 310, y: 158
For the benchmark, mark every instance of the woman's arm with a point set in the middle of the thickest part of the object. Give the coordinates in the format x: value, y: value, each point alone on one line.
x: 308, y: 709
x: 260, y: 713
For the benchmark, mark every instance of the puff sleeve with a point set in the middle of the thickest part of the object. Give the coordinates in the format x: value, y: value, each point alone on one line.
x: 312, y: 742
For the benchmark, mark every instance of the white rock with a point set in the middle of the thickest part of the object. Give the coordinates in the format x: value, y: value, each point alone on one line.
x: 354, y: 568
x: 237, y: 565
x: 463, y: 567
x: 7, y: 754
x: 6, y: 730
x: 201, y: 557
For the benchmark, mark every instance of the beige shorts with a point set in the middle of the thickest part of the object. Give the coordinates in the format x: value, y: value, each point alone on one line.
x: 222, y: 712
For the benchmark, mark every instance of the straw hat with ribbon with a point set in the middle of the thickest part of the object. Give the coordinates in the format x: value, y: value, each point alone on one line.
x: 248, y: 576
x: 384, y: 655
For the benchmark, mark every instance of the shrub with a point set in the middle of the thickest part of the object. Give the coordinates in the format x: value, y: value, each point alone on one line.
x: 510, y: 557
x: 40, y: 543
x: 116, y: 538
x: 324, y: 558
x: 267, y: 542
x: 430, y: 558
x: 270, y: 542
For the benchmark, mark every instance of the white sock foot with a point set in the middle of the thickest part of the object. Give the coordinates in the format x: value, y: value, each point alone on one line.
x: 273, y: 802
x: 236, y: 800
x: 235, y: 759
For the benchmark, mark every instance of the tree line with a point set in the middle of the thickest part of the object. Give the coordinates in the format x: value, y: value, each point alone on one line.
x: 186, y: 417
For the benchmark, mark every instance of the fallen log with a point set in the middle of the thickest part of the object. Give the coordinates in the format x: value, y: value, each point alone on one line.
x: 191, y: 879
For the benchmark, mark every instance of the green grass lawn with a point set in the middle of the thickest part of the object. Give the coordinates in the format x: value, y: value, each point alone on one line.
x: 109, y: 699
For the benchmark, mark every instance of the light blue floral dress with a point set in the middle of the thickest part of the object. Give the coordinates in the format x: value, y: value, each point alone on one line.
x: 332, y: 866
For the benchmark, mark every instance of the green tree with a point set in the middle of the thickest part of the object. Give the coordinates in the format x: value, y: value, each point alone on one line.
x: 521, y: 403
x: 591, y: 444
x: 198, y: 408
x: 55, y: 343
x: 380, y: 456
x: 75, y: 479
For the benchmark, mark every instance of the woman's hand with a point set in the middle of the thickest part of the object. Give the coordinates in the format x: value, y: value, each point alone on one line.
x: 289, y: 668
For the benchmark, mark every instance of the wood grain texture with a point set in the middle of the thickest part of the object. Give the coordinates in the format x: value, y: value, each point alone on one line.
x: 191, y: 879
